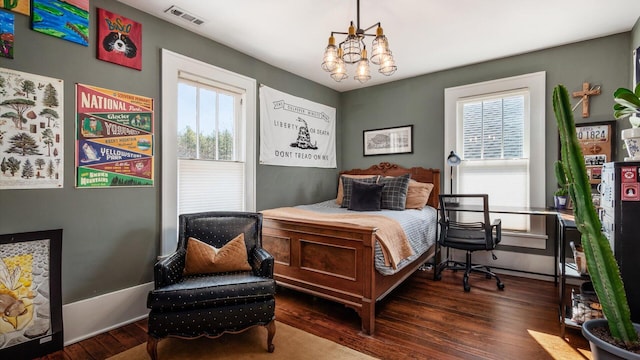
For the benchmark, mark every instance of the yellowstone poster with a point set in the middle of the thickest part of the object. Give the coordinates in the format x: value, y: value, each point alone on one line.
x: 114, y: 138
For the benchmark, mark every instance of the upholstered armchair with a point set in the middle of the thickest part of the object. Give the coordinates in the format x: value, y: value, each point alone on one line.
x: 201, y: 291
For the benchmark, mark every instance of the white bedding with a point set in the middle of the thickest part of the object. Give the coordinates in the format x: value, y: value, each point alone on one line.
x: 419, y: 227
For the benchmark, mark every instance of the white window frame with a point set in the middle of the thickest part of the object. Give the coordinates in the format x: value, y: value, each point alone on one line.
x: 536, y: 84
x: 172, y: 65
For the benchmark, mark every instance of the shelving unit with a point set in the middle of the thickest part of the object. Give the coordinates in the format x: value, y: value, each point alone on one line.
x: 568, y: 270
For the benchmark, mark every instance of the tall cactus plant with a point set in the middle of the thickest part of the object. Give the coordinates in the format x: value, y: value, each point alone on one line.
x: 601, y: 263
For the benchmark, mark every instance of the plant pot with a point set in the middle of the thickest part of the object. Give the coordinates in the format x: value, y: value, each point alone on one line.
x: 631, y: 139
x: 602, y: 350
x: 560, y: 202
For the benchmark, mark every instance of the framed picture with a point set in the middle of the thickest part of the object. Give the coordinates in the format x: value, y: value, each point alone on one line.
x: 393, y: 140
x: 636, y: 67
x: 30, y: 294
x: 597, y: 143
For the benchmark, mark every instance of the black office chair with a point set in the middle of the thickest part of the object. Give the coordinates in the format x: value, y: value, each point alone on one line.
x: 468, y: 236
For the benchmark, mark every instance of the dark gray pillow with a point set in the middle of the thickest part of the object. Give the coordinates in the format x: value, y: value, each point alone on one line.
x: 365, y: 196
x: 394, y: 194
x: 347, y: 187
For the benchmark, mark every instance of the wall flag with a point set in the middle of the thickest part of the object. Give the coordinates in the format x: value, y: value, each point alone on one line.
x: 296, y: 131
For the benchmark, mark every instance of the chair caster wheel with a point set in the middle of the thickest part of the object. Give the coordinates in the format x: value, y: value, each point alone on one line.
x: 271, y: 348
x: 438, y: 277
x: 465, y: 283
x: 500, y: 286
x: 467, y: 288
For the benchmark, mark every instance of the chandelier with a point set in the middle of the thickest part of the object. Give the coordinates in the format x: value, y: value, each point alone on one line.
x: 353, y: 50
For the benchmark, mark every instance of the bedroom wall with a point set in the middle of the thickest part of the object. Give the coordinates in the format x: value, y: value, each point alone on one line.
x: 111, y: 236
x: 419, y: 100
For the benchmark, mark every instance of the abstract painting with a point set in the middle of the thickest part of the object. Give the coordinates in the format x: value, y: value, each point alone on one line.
x: 19, y: 6
x: 119, y: 40
x: 30, y: 294
x: 68, y: 20
x: 6, y: 34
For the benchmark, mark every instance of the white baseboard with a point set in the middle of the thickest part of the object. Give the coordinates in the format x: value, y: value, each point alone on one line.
x: 522, y: 263
x: 89, y: 317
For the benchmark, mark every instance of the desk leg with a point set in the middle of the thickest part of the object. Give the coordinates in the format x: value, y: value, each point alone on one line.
x: 556, y: 249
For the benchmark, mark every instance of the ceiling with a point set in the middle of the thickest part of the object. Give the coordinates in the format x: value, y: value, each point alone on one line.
x: 425, y: 35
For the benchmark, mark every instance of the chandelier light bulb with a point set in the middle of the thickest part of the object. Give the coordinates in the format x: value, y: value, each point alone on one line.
x: 380, y: 47
x: 339, y: 72
x: 351, y: 46
x: 388, y: 64
x: 330, y: 55
x: 362, y: 71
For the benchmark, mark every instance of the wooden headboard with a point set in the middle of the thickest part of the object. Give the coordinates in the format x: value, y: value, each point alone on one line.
x: 417, y: 173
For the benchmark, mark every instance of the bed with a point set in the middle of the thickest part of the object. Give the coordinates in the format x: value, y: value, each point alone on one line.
x: 340, y: 261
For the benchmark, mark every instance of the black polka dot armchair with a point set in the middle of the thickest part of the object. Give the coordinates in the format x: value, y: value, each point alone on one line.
x: 191, y: 306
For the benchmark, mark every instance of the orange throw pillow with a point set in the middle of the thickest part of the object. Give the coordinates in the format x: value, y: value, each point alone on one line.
x: 418, y: 194
x: 202, y: 258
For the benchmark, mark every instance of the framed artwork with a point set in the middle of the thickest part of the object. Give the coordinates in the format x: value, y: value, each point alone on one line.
x: 68, y: 20
x: 597, y: 143
x: 393, y: 140
x: 20, y: 6
x: 119, y: 40
x: 31, y: 131
x: 30, y: 294
x: 6, y: 34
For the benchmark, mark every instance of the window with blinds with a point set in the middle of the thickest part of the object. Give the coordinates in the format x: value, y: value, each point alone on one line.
x: 495, y: 151
x: 211, y: 170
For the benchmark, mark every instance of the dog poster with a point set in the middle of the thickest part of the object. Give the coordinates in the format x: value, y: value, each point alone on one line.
x: 119, y: 40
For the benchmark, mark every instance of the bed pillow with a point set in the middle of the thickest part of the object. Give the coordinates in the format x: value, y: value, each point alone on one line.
x: 341, y: 187
x: 347, y: 186
x: 202, y: 258
x: 394, y: 194
x: 365, y: 196
x: 417, y: 194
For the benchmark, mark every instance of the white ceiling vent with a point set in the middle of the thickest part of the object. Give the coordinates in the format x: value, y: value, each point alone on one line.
x: 176, y: 11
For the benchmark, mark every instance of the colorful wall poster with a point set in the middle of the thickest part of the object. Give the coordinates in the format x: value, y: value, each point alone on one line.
x: 119, y: 40
x: 6, y: 34
x: 31, y: 131
x: 114, y: 138
x: 19, y: 6
x: 64, y: 19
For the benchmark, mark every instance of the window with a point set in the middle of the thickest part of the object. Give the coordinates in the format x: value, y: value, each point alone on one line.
x: 208, y: 154
x: 497, y: 129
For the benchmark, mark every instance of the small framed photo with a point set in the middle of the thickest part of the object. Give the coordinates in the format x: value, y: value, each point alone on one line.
x: 393, y: 140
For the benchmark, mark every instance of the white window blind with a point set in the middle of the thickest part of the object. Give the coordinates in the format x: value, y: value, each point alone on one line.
x: 210, y: 170
x: 495, y: 151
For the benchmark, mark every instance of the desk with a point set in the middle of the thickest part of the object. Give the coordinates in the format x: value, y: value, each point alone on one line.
x: 537, y: 211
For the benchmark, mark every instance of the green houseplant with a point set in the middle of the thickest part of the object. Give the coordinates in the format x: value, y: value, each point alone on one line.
x: 601, y: 262
x: 628, y: 104
x: 560, y: 195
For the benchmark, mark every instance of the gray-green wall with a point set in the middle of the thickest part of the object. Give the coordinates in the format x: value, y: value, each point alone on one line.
x: 112, y: 236
x: 420, y: 100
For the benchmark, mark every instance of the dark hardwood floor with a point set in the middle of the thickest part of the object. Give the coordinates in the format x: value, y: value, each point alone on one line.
x: 422, y: 319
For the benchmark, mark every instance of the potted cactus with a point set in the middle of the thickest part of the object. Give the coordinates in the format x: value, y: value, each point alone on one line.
x: 601, y: 263
x: 628, y: 104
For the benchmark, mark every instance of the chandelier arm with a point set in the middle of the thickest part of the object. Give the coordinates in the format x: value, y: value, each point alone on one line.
x: 371, y: 27
x: 338, y: 32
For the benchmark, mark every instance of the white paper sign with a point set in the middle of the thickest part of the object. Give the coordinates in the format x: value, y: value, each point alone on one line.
x: 296, y: 131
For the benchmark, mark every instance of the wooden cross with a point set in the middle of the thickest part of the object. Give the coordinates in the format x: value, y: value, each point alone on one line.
x: 584, y: 94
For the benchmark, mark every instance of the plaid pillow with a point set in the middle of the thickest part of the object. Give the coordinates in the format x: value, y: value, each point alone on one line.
x: 347, y: 188
x: 394, y: 193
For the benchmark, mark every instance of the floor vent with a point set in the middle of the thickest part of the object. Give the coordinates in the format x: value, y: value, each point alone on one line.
x: 176, y: 11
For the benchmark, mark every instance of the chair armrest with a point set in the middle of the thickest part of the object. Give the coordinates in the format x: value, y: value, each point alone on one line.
x: 497, y: 224
x: 262, y: 263
x: 169, y: 270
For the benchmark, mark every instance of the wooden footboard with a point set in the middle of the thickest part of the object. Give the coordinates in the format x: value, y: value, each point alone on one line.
x: 336, y: 261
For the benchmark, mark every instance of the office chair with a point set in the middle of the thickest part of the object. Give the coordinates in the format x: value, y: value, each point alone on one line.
x: 468, y: 236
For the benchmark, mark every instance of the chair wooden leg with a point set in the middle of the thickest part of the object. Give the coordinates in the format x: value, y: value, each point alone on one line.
x: 152, y: 347
x: 271, y: 332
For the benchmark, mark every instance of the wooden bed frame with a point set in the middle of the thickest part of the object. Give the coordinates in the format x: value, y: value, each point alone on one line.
x: 336, y: 261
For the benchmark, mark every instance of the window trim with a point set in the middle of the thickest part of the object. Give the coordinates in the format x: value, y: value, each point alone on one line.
x: 172, y: 65
x: 536, y: 83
